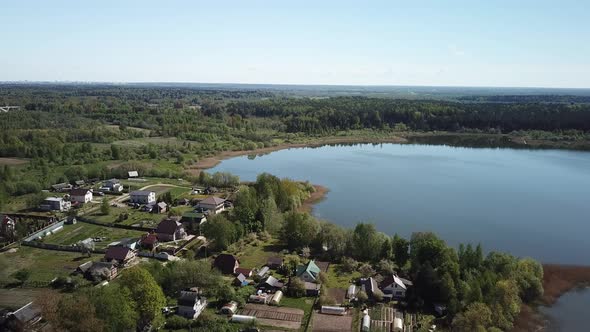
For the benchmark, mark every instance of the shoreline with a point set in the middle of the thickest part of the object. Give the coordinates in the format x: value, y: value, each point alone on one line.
x: 557, y: 280
x: 210, y: 162
x: 319, y: 195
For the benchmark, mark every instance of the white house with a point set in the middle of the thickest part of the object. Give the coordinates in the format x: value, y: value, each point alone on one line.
x: 113, y: 185
x: 81, y: 195
x: 213, y: 204
x: 55, y: 204
x: 142, y: 197
x: 394, y: 287
x: 191, y: 303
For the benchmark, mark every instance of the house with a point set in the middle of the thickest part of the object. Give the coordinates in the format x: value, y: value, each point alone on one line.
x: 131, y: 243
x: 309, y: 272
x: 263, y: 272
x: 81, y: 195
x: 55, y: 204
x: 393, y: 287
x: 170, y: 229
x: 61, y: 187
x: 122, y: 255
x: 271, y: 284
x: 312, y: 289
x: 274, y: 263
x: 7, y: 227
x: 191, y: 303
x: 244, y: 271
x: 132, y: 174
x: 213, y: 204
x: 149, y: 242
x: 83, y: 268
x: 142, y: 197
x: 240, y: 281
x: 193, y: 220
x: 161, y: 207
x: 369, y: 286
x: 79, y: 183
x: 183, y: 202
x: 24, y: 319
x: 100, y: 271
x: 113, y: 185
x: 226, y: 263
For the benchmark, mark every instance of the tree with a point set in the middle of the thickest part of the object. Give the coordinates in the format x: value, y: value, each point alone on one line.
x: 296, y: 287
x: 115, y: 306
x: 146, y: 293
x: 74, y: 313
x: 366, y: 242
x: 300, y: 229
x: 105, y: 208
x: 271, y: 217
x: 220, y: 231
x: 362, y: 296
x: 477, y: 317
x: 115, y: 152
x: 22, y: 275
x: 401, y: 250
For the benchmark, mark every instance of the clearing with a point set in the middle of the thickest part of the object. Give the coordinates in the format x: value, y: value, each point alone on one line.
x: 43, y: 264
x: 331, y: 323
x: 71, y: 234
x: 13, y: 162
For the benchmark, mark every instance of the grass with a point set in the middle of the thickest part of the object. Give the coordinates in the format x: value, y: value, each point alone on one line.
x: 71, y: 234
x: 135, y: 217
x: 256, y: 256
x: 43, y: 264
x: 339, y: 279
x: 303, y: 303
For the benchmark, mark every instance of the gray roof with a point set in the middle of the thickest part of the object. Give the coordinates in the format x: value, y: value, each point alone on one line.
x: 141, y: 193
x: 263, y: 271
x: 27, y: 313
x: 54, y: 199
x: 212, y: 200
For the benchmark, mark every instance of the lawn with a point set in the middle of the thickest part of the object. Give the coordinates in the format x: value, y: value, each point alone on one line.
x: 339, y: 279
x: 135, y: 217
x: 257, y: 256
x: 71, y: 234
x: 44, y: 264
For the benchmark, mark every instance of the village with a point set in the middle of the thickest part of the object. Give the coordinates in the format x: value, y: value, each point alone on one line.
x: 105, y: 227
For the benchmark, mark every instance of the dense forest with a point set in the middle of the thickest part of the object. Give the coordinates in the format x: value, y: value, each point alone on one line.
x: 70, y: 132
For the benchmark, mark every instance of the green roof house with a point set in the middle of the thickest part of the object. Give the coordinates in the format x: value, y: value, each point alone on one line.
x: 309, y: 272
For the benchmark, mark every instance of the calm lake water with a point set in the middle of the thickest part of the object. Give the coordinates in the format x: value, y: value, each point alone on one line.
x: 570, y: 312
x: 527, y: 202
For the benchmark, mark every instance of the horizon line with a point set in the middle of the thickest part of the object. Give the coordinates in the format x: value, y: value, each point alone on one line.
x: 57, y: 82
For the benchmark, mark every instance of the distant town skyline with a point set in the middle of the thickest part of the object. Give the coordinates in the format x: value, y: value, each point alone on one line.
x: 375, y: 43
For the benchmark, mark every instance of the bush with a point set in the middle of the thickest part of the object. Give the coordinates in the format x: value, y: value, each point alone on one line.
x: 349, y: 264
x: 176, y: 322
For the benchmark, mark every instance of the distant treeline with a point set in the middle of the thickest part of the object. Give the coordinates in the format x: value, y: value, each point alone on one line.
x: 345, y: 113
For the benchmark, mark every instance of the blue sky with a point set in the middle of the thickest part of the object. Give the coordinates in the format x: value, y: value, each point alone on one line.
x: 450, y: 43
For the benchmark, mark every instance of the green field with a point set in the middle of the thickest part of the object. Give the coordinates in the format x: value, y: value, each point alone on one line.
x: 44, y: 264
x: 71, y: 234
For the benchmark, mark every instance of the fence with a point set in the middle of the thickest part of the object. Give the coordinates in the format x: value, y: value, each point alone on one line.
x: 59, y: 247
x: 133, y: 228
x: 45, y: 231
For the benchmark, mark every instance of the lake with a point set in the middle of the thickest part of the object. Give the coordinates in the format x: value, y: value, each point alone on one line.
x: 570, y: 312
x: 532, y: 203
